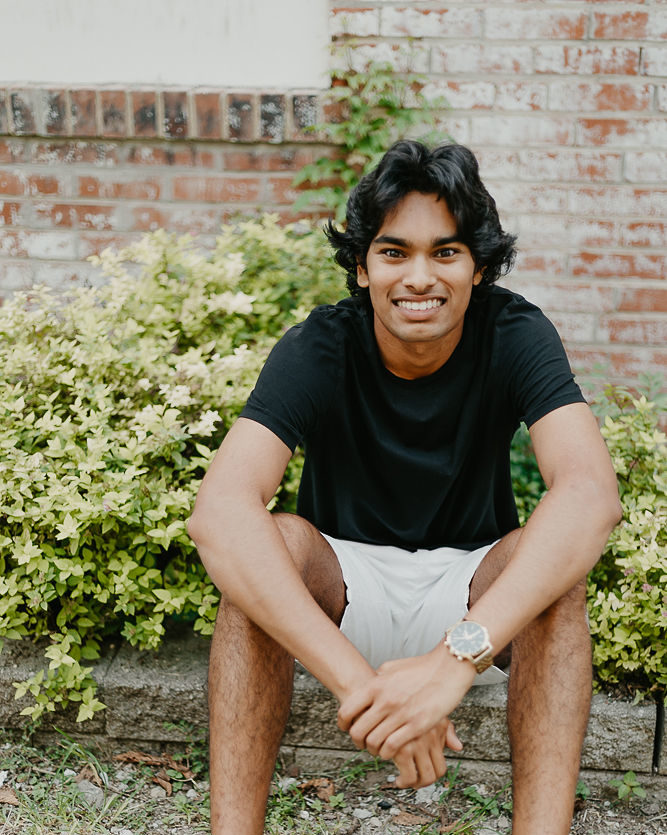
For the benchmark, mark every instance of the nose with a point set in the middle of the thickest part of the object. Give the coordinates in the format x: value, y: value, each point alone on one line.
x: 419, y: 276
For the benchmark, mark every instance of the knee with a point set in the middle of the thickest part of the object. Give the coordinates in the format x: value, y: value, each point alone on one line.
x: 298, y: 535
x: 569, y: 612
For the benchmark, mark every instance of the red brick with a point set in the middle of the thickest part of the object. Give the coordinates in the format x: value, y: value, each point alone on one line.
x: 618, y: 26
x: 9, y: 213
x: 92, y: 243
x: 635, y: 331
x: 148, y: 219
x: 77, y: 215
x: 83, y: 110
x: 12, y: 150
x: 4, y: 120
x: 530, y: 24
x: 268, y: 159
x: 178, y: 156
x: 272, y: 118
x: 42, y: 184
x: 113, y: 104
x: 652, y: 299
x: 618, y: 265
x: 543, y: 263
x: 305, y: 115
x: 12, y: 184
x: 280, y: 190
x: 643, y: 233
x: 616, y: 97
x: 102, y: 153
x: 587, y: 60
x: 241, y: 108
x: 623, y: 132
x: 175, y: 120
x: 23, y: 112
x: 217, y: 189
x: 55, y: 112
x: 132, y: 189
x: 144, y: 112
x: 208, y: 115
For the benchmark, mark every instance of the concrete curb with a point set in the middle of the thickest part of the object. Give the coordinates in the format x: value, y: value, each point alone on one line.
x: 159, y: 699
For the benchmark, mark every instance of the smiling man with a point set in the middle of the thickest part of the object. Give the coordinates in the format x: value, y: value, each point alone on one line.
x: 404, y: 578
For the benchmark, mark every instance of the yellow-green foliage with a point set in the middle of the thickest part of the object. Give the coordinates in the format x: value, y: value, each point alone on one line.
x: 628, y: 588
x: 112, y: 402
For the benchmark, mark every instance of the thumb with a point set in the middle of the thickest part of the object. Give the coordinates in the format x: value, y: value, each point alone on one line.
x: 451, y: 740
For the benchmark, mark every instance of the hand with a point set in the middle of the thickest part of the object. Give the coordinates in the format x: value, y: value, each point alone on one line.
x: 422, y: 762
x: 407, y: 698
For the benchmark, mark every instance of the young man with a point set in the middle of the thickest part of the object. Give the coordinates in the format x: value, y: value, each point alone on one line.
x: 406, y: 396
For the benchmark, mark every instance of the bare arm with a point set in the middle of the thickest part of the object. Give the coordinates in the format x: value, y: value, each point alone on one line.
x: 246, y: 557
x: 561, y: 542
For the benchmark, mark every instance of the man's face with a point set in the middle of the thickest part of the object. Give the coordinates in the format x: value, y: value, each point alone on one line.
x: 420, y: 279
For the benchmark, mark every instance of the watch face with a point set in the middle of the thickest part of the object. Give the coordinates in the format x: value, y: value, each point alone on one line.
x: 467, y: 637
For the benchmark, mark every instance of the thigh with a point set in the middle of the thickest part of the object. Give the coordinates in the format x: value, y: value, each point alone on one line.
x: 316, y: 562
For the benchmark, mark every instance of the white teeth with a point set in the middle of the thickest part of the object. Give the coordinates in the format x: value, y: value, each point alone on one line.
x: 425, y: 305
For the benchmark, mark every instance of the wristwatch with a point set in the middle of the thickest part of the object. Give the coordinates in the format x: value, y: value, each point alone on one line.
x: 470, y: 640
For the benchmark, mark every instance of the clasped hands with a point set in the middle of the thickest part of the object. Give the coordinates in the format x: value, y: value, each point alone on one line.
x: 402, y: 713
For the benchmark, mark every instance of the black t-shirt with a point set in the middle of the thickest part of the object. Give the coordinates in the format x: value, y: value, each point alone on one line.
x: 417, y: 463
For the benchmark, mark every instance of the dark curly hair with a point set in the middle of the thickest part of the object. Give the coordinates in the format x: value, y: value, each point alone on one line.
x: 449, y: 171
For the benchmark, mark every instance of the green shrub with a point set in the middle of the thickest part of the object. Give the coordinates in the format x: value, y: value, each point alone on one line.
x: 627, y: 590
x: 112, y: 402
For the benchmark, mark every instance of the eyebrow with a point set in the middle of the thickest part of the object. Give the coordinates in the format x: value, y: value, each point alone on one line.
x: 402, y: 242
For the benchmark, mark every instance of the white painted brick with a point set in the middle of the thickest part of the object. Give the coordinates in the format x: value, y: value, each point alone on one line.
x: 458, y: 58
x: 646, y: 166
x: 521, y: 95
x: 416, y: 59
x: 654, y: 60
x: 497, y: 164
x: 464, y: 95
x: 575, y: 327
x: 617, y: 201
x: 521, y: 130
x: 524, y: 197
x: 50, y: 245
x: 15, y: 275
x: 361, y: 23
x: 426, y: 23
x: 567, y: 297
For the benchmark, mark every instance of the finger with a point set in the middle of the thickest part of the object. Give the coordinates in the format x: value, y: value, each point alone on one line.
x: 407, y: 770
x: 451, y: 740
x: 425, y: 772
x: 438, y: 761
x: 376, y: 739
x: 353, y: 707
x: 364, y: 727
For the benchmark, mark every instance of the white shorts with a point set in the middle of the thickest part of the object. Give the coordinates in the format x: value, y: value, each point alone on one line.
x: 401, y: 603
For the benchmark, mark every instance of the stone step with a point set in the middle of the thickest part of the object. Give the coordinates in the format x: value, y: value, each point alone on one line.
x: 160, y: 699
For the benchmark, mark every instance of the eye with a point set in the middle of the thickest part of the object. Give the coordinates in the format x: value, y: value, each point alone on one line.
x: 446, y: 252
x: 391, y: 252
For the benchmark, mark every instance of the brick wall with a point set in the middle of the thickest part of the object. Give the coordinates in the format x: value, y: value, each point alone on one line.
x: 564, y: 102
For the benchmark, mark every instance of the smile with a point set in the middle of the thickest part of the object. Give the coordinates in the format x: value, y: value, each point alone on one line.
x: 428, y: 304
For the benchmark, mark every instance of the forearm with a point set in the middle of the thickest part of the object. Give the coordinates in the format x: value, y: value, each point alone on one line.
x: 247, y: 559
x: 561, y: 542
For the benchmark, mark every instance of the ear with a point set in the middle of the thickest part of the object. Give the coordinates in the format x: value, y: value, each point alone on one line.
x: 477, y: 278
x: 362, y: 276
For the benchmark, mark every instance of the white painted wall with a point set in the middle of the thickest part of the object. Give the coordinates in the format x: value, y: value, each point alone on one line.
x: 230, y: 43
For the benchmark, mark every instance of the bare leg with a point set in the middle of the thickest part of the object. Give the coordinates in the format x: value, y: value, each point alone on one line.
x: 548, y: 703
x: 250, y: 689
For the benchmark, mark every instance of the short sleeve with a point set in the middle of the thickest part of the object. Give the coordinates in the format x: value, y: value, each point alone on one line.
x: 298, y: 379
x: 535, y: 364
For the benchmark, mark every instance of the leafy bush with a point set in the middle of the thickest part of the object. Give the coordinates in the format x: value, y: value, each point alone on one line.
x: 112, y: 402
x: 627, y: 590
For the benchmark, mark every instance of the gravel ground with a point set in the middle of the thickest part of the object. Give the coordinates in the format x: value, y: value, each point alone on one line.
x: 66, y: 790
